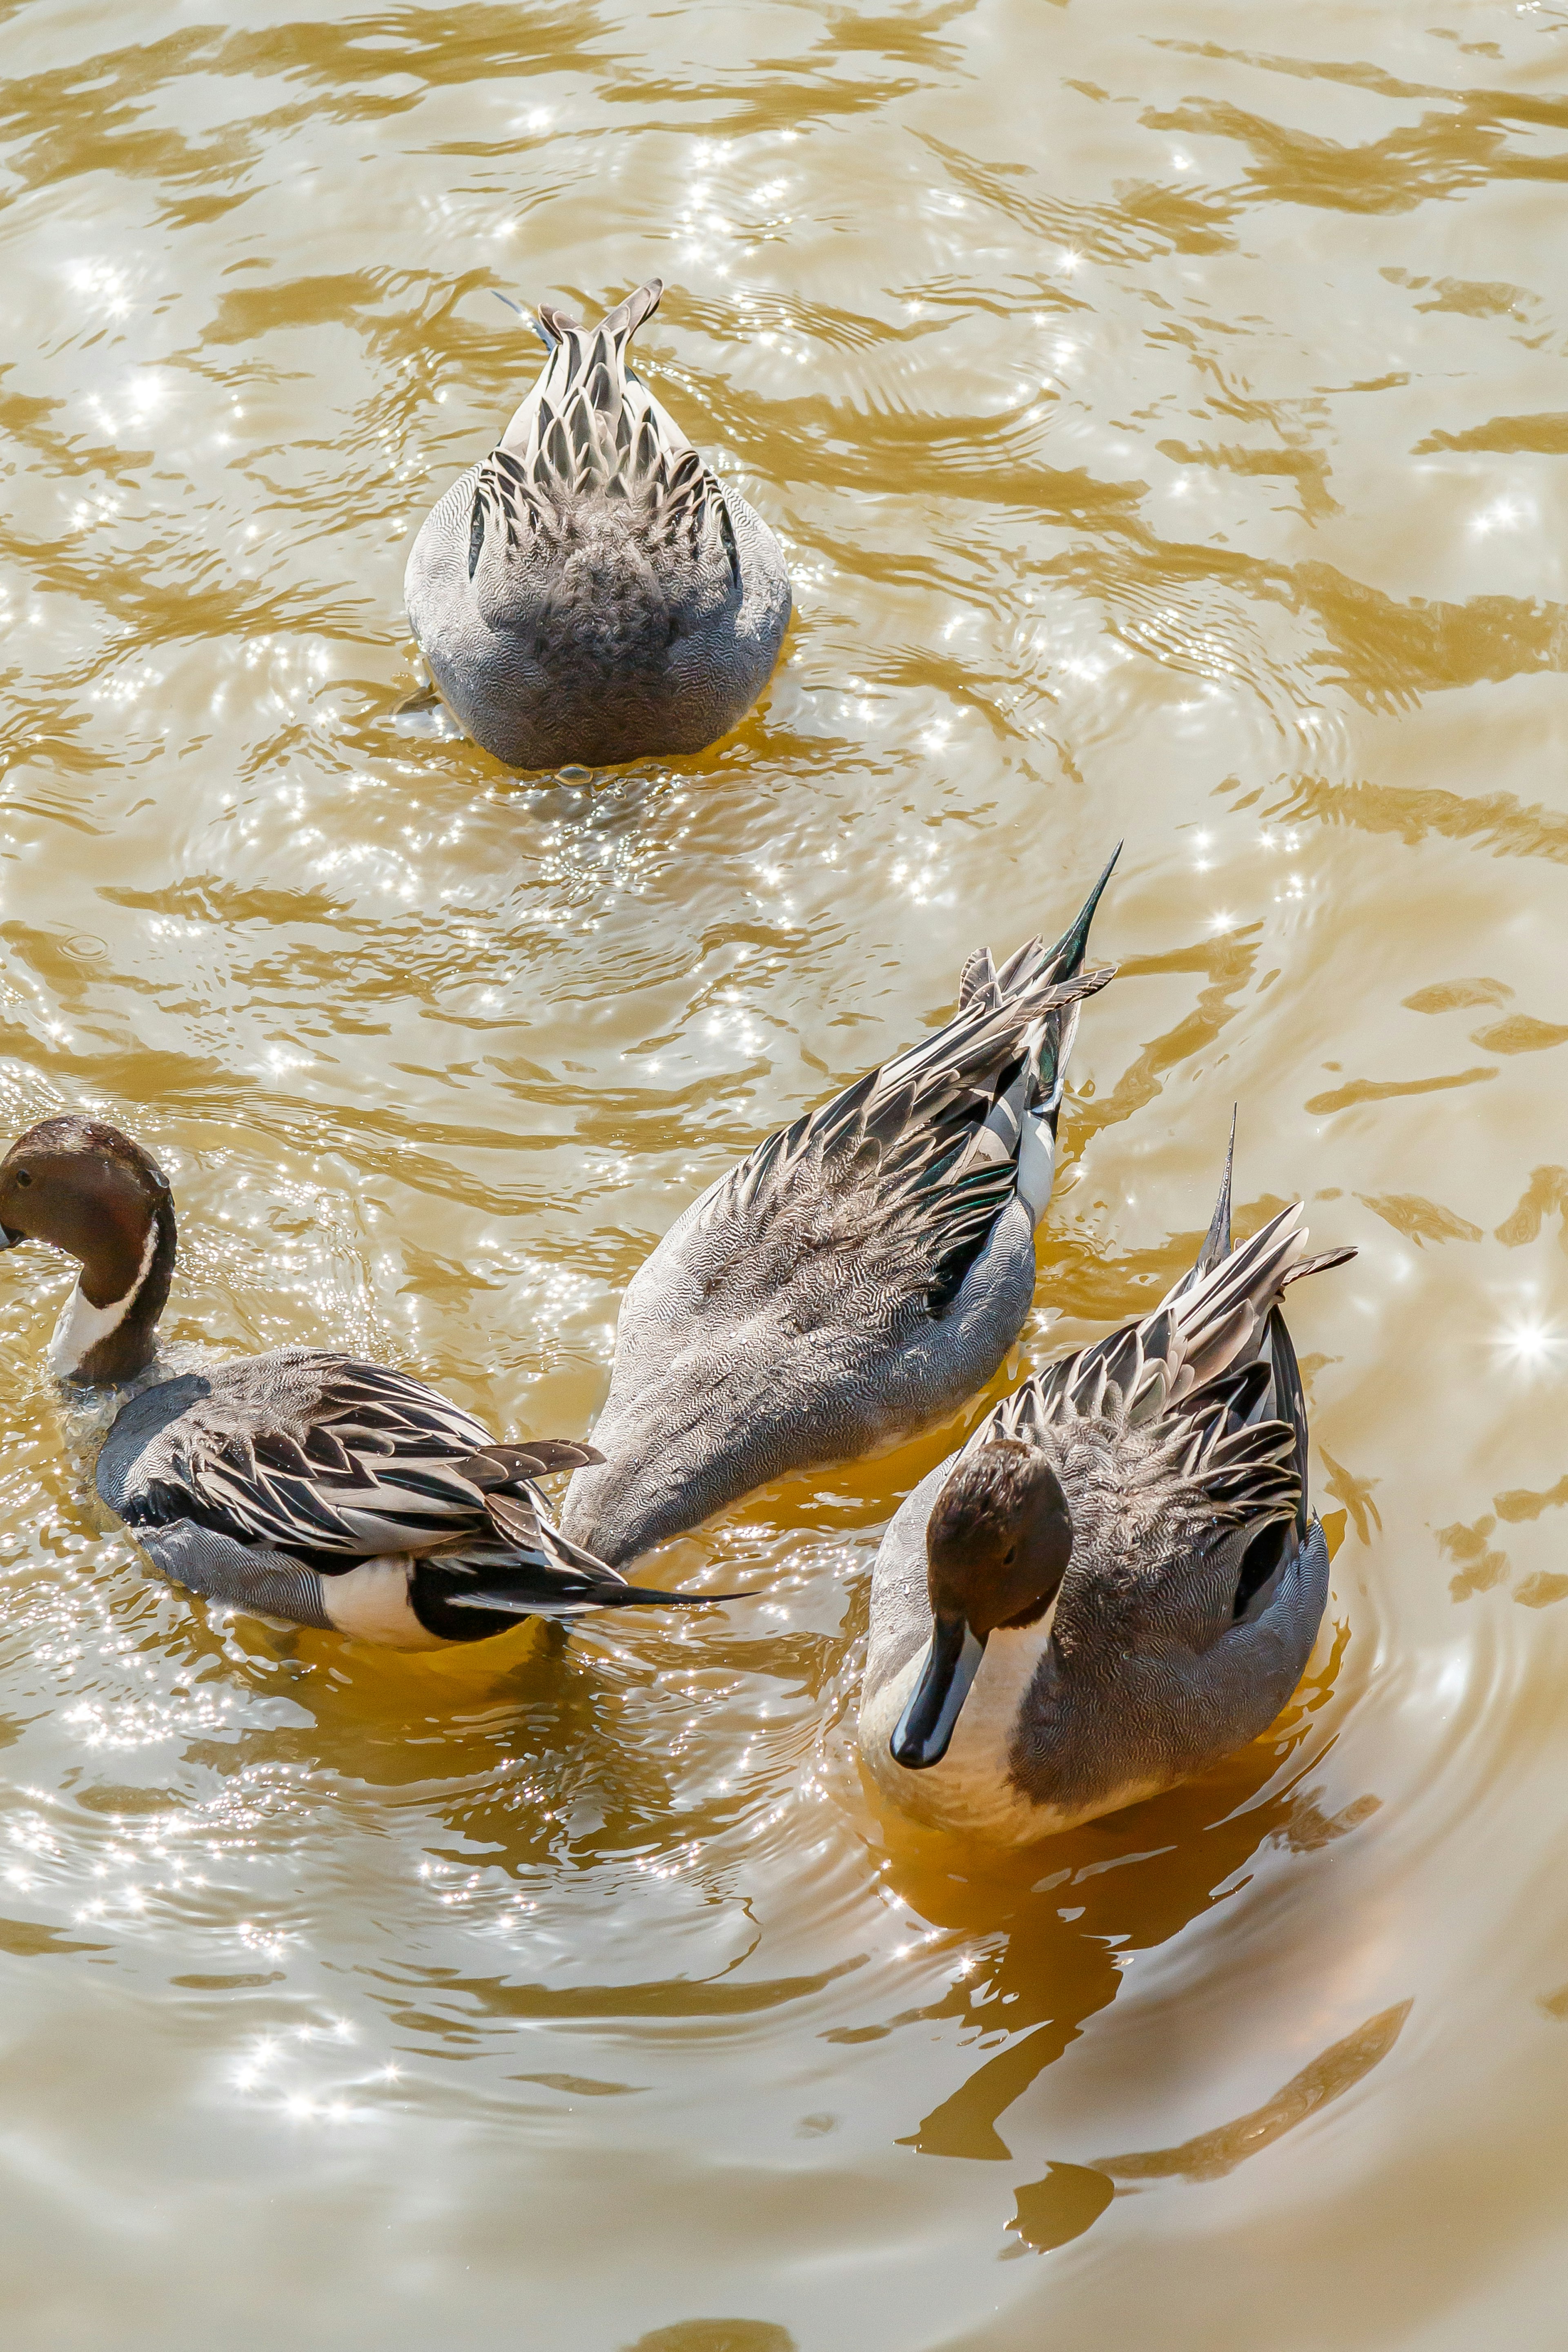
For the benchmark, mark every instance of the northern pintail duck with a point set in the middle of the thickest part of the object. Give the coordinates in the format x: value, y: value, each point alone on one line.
x: 862, y: 1273
x: 1117, y: 1579
x: 589, y: 592
x: 300, y: 1483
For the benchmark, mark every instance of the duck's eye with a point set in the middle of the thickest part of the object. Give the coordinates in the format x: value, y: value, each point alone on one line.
x: 22, y: 1177
x: 1009, y: 1557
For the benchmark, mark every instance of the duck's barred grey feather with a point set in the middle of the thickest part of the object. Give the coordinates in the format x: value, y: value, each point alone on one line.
x: 861, y: 1273
x: 590, y: 591
x: 238, y: 1576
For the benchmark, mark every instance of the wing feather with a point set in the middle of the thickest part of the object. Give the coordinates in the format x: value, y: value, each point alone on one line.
x: 345, y: 1458
x: 915, y: 1161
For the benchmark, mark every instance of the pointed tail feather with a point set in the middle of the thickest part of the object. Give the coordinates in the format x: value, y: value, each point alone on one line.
x: 1032, y: 963
x: 1066, y: 957
x: 506, y: 1600
x: 551, y: 1576
x: 1219, y: 1320
x: 611, y: 1589
x: 1059, y: 1028
x: 535, y: 326
x: 1217, y: 1242
x: 637, y: 1596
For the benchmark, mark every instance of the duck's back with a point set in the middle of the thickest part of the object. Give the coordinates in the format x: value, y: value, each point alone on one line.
x: 590, y: 592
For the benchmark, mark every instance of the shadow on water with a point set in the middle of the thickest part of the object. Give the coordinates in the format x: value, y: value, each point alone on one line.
x: 1112, y: 1888
x: 1071, y: 2198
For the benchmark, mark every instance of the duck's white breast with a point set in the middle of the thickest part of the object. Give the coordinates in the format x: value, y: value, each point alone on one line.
x: 972, y: 1791
x: 82, y: 1324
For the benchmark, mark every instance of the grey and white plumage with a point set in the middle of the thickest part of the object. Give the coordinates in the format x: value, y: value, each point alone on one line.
x: 1194, y: 1585
x: 590, y: 592
x: 863, y: 1272
x: 301, y: 1483
x: 342, y: 1494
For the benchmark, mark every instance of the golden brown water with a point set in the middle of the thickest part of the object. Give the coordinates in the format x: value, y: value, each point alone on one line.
x: 1164, y: 408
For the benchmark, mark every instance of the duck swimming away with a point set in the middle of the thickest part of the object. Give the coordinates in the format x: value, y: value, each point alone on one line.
x: 300, y: 1483
x: 862, y: 1273
x: 1116, y: 1580
x: 589, y: 592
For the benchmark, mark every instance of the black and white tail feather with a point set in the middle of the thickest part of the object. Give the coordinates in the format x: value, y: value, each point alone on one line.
x: 942, y: 1137
x: 590, y: 428
x: 1210, y: 1376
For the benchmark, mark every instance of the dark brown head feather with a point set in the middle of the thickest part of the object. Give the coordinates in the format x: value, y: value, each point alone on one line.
x: 999, y: 1538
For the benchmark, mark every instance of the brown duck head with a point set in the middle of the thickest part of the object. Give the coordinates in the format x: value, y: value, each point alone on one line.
x: 85, y: 1187
x: 997, y: 1546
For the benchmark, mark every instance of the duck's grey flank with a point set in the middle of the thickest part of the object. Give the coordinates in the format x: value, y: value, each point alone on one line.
x: 590, y: 592
x: 1183, y: 1616
x: 862, y: 1273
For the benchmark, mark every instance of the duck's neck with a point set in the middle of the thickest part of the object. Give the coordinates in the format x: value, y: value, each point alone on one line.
x: 109, y: 1326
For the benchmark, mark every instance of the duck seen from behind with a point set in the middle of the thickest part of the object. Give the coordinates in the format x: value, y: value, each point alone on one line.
x: 1117, y: 1579
x: 589, y: 592
x: 863, y: 1272
x: 300, y: 1483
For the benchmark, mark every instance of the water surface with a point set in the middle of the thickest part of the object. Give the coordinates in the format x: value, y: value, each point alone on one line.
x: 1164, y: 410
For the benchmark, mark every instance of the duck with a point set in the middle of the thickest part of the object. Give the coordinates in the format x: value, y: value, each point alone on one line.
x: 861, y: 1272
x: 1117, y: 1579
x: 589, y: 592
x: 301, y: 1483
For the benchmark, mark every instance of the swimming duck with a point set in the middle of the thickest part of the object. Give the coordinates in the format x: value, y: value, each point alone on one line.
x: 861, y: 1272
x: 300, y: 1483
x: 589, y: 592
x: 1117, y: 1579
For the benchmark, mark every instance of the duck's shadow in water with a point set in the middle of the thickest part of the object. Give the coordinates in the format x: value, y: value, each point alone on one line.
x: 1063, y: 1918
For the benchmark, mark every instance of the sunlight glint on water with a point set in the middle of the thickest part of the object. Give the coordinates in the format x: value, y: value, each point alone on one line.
x: 1163, y: 410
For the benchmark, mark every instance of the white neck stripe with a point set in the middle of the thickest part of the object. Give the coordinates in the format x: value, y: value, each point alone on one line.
x: 82, y: 1324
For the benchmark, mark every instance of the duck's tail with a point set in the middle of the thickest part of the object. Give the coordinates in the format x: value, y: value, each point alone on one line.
x: 1221, y: 1316
x: 1217, y: 1315
x: 1024, y: 1119
x: 590, y: 429
x: 532, y: 1570
x: 589, y: 423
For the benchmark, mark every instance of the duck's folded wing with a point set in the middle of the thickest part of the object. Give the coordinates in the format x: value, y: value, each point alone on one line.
x: 322, y: 1455
x: 900, y: 1178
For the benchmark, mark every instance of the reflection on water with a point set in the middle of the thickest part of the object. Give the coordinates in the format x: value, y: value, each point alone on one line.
x: 1164, y: 422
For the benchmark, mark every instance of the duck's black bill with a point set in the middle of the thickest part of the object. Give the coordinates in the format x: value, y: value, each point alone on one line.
x: 9, y: 1240
x: 952, y: 1662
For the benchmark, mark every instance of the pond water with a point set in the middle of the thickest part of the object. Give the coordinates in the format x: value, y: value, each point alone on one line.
x: 1163, y: 408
